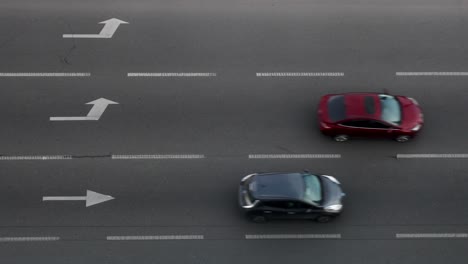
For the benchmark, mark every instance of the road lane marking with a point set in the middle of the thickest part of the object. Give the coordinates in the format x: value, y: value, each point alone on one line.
x: 50, y: 157
x: 164, y: 237
x: 29, y: 239
x: 294, y: 156
x: 171, y: 74
x: 110, y: 26
x: 432, y: 74
x: 99, y: 106
x: 300, y: 74
x: 45, y: 74
x: 431, y: 235
x: 180, y: 156
x: 294, y: 236
x: 91, y: 198
x: 432, y: 156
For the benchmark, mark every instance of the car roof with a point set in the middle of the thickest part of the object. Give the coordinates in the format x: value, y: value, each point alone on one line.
x: 360, y: 105
x: 267, y: 186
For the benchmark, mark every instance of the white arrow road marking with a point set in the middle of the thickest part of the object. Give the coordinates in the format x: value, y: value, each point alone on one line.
x: 110, y: 26
x: 99, y: 106
x: 91, y: 198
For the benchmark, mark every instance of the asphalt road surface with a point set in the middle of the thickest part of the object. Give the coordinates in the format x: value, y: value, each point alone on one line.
x: 209, y: 91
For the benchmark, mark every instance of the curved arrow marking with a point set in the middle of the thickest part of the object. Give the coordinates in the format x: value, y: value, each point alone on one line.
x: 110, y: 26
x: 99, y: 106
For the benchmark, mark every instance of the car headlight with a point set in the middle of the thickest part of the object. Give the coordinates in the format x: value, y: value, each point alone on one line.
x: 247, y: 177
x: 334, y: 208
x: 413, y: 100
x: 416, y: 128
x: 331, y: 178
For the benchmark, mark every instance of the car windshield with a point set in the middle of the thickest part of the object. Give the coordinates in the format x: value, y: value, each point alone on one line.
x: 391, y: 110
x: 313, y: 189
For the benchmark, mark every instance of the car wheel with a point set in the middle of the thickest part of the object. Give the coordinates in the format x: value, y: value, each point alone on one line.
x: 323, y: 219
x: 402, y: 138
x: 341, y: 138
x: 258, y: 219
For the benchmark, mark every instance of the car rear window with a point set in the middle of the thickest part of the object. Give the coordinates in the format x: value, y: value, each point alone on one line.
x: 336, y: 108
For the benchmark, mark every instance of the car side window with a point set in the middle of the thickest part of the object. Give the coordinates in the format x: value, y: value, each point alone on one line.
x: 301, y: 205
x: 356, y: 123
x: 274, y: 204
x: 377, y: 124
x: 365, y: 124
x: 280, y: 204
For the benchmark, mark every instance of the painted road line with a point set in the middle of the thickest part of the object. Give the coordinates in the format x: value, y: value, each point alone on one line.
x: 432, y: 74
x: 300, y: 74
x: 45, y: 74
x: 52, y: 157
x: 171, y: 74
x: 180, y: 156
x: 432, y: 156
x: 164, y: 237
x: 99, y: 106
x: 431, y: 235
x: 91, y: 198
x: 28, y: 239
x: 294, y: 156
x: 110, y: 26
x: 294, y: 236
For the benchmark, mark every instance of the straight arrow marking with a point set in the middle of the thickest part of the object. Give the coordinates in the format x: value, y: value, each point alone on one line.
x: 64, y: 198
x: 110, y: 26
x: 91, y: 198
x: 99, y: 106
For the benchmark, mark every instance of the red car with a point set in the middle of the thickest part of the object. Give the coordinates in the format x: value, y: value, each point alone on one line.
x: 369, y: 115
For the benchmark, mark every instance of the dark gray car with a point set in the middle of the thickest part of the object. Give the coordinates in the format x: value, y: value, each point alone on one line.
x: 265, y: 196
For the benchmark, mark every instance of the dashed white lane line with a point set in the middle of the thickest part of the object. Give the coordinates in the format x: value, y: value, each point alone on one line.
x: 294, y: 236
x: 171, y: 74
x: 45, y: 74
x: 432, y: 156
x: 165, y: 237
x: 182, y: 156
x: 300, y: 74
x: 294, y: 156
x: 432, y: 74
x: 431, y: 235
x: 29, y: 239
x: 53, y: 157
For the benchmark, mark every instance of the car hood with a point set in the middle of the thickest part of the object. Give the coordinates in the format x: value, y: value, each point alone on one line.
x: 333, y: 194
x: 411, y: 113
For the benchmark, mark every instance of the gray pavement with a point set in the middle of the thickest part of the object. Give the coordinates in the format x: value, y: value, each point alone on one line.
x: 226, y: 118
